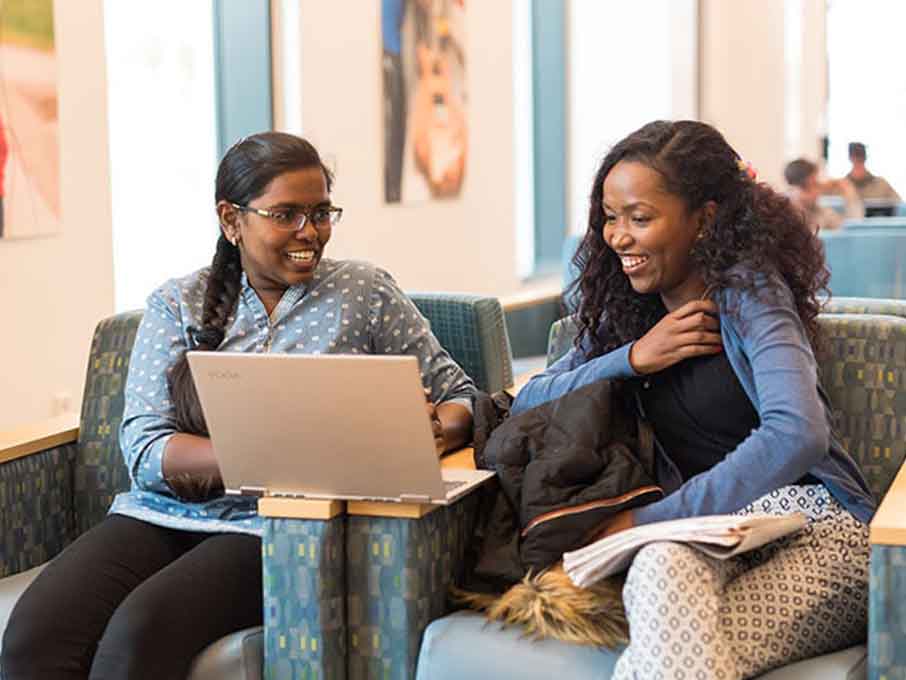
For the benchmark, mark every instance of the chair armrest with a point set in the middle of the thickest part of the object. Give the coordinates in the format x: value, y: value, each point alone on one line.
x: 304, y: 575
x: 36, y: 492
x: 398, y: 575
x: 887, y: 583
x: 889, y: 524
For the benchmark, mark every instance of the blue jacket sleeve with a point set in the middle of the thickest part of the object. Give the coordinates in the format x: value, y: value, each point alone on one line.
x: 571, y: 372
x: 776, y: 367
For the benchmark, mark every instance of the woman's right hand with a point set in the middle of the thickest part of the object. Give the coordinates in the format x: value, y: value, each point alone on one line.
x: 689, y: 331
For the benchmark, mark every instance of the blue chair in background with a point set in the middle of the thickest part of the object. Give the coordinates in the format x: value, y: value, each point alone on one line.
x: 866, y: 262
x: 835, y: 203
x: 894, y: 223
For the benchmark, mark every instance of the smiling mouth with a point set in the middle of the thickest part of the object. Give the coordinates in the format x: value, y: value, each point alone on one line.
x: 302, y: 255
x: 633, y: 262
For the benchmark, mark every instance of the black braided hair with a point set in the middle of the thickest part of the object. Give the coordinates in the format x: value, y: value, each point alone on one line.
x: 245, y: 172
x: 753, y: 225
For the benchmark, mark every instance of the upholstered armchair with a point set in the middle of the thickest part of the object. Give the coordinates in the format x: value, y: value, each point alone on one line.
x: 865, y: 373
x: 59, y: 481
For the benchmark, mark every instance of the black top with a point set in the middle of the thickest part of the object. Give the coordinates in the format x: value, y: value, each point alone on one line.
x: 698, y: 410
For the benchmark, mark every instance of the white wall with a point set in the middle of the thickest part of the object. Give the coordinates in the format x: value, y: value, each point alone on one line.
x: 606, y: 104
x: 464, y: 244
x: 743, y: 79
x: 54, y: 290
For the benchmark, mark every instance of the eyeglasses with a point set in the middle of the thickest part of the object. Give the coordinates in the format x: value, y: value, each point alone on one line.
x: 293, y: 219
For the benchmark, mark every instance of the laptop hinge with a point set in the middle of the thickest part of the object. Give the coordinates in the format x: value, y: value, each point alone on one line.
x: 414, y: 498
x: 257, y: 491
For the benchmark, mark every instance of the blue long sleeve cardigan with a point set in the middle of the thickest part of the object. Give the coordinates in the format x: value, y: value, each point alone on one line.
x: 768, y: 348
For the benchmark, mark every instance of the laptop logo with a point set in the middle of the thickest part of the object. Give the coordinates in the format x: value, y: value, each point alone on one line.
x: 223, y: 375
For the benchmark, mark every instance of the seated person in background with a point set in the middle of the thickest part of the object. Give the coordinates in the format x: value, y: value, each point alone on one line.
x: 869, y: 186
x: 804, y: 189
x: 177, y: 565
x: 699, y: 288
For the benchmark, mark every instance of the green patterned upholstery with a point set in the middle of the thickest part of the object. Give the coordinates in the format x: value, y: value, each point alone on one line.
x: 304, y: 599
x: 398, y: 573
x: 472, y: 329
x: 99, y: 469
x: 864, y: 374
x: 854, y: 305
x: 560, y: 339
x: 36, y: 518
x: 47, y: 499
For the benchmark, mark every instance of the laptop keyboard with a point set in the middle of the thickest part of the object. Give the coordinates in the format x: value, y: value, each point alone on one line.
x: 450, y: 486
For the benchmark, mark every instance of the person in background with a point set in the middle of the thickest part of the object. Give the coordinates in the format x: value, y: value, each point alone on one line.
x: 804, y: 189
x: 869, y: 186
x: 176, y: 564
x: 700, y: 290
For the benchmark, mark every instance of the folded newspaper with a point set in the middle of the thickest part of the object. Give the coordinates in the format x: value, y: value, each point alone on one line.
x: 720, y: 536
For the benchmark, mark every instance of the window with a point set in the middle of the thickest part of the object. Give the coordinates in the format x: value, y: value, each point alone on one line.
x: 160, y: 79
x: 867, y: 88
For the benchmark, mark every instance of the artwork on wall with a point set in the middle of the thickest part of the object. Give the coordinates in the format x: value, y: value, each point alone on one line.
x: 425, y: 99
x: 29, y: 146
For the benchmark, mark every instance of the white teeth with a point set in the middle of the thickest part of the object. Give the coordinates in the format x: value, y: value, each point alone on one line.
x: 633, y: 261
x: 302, y: 255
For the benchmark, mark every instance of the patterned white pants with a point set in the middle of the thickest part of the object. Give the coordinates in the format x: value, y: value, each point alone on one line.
x: 694, y: 617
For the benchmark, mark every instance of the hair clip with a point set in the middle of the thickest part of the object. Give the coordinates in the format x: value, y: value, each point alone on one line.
x: 747, y: 169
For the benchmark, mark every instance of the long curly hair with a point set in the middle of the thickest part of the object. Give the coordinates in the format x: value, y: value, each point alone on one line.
x: 753, y: 225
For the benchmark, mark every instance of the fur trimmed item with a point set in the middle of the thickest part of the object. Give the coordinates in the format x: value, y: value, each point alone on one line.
x: 548, y: 605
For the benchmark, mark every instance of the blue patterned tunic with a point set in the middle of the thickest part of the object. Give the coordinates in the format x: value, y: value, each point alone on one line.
x: 347, y: 308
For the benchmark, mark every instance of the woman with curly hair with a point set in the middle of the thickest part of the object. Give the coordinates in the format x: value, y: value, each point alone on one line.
x: 698, y: 289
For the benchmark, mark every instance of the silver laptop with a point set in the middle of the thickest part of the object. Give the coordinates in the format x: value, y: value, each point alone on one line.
x: 344, y: 427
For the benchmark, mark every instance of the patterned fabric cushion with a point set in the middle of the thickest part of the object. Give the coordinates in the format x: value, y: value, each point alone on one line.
x: 36, y: 519
x: 304, y: 604
x: 864, y: 373
x: 472, y: 329
x: 399, y: 573
x: 561, y: 337
x: 99, y: 470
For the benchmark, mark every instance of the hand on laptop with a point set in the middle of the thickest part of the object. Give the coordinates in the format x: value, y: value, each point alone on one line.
x: 436, y: 427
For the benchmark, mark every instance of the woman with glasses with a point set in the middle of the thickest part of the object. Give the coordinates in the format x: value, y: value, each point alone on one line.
x: 176, y: 565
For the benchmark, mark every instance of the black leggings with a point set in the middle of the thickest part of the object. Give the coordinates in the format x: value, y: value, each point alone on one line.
x: 133, y: 600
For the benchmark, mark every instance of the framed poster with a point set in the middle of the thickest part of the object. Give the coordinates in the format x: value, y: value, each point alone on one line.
x: 29, y: 146
x: 424, y: 99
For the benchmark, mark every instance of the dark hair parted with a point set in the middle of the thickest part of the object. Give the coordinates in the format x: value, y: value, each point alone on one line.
x: 245, y: 172
x: 797, y: 172
x: 753, y: 226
